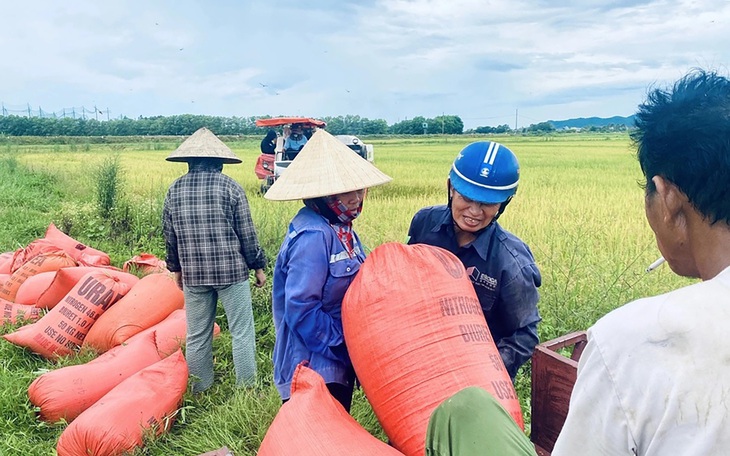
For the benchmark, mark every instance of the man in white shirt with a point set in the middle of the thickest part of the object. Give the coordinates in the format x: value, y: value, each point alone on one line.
x: 654, y: 378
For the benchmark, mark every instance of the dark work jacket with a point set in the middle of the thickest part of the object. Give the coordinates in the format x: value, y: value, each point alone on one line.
x: 268, y: 146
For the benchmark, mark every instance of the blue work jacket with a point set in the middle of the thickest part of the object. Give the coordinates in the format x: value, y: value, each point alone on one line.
x: 312, y: 273
x: 504, y: 275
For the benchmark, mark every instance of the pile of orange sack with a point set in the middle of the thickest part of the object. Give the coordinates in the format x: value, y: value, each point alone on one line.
x: 67, y: 296
x: 413, y: 326
x: 416, y: 335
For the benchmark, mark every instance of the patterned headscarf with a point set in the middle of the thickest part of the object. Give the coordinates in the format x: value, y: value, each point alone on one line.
x: 339, y: 217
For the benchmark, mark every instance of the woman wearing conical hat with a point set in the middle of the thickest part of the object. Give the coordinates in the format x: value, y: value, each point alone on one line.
x: 211, y: 246
x: 319, y: 258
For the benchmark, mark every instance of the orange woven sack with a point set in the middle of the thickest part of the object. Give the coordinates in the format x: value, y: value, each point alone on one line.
x: 65, y: 279
x: 117, y: 422
x: 313, y: 423
x: 82, y: 253
x: 13, y: 313
x: 170, y: 333
x: 33, y: 286
x: 6, y: 262
x: 144, y: 263
x: 66, y: 392
x: 62, y: 330
x: 149, y: 302
x: 4, y: 277
x: 416, y: 334
x: 32, y: 250
x: 36, y: 265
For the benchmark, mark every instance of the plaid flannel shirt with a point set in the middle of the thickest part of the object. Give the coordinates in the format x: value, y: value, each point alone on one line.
x: 209, y: 233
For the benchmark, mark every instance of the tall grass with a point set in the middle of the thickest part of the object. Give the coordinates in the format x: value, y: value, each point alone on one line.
x: 108, y: 179
x: 578, y: 207
x: 27, y: 200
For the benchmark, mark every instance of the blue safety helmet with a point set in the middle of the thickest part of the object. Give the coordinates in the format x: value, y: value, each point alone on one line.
x: 486, y: 172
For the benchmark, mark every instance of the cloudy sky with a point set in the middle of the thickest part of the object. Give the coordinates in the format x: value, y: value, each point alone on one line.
x: 491, y: 62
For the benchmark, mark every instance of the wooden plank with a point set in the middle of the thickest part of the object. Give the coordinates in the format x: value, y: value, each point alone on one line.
x: 553, y: 377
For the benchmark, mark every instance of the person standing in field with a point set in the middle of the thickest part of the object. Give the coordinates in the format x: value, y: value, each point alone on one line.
x: 319, y: 258
x: 482, y: 181
x: 211, y: 246
x: 654, y: 378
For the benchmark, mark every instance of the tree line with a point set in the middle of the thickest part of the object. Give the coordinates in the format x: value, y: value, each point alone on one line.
x: 186, y: 124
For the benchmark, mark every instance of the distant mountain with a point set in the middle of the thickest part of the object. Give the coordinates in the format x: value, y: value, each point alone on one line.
x: 583, y: 122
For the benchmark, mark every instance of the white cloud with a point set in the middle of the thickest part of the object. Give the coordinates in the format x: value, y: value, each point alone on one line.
x: 388, y: 59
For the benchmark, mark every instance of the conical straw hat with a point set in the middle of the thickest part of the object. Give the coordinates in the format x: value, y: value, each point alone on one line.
x: 203, y: 144
x: 324, y: 166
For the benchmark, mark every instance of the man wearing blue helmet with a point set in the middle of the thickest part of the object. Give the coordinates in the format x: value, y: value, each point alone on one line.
x: 482, y: 181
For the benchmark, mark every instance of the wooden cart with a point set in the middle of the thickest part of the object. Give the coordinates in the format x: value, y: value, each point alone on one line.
x: 554, y: 369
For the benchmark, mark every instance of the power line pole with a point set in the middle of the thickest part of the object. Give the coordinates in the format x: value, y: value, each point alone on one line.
x: 515, y: 120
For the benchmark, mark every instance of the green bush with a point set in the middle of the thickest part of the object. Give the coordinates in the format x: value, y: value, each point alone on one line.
x: 108, y: 177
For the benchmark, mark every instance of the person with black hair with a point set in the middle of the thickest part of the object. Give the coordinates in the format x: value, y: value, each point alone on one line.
x: 268, y: 144
x: 654, y: 376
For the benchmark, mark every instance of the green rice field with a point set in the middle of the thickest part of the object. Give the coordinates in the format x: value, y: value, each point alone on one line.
x: 579, y: 207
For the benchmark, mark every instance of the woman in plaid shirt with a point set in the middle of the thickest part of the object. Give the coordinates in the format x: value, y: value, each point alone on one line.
x: 211, y: 246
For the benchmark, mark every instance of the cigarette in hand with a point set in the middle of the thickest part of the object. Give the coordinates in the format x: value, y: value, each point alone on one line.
x: 655, y: 264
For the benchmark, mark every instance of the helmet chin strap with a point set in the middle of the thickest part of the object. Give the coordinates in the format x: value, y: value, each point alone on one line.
x: 502, y: 207
x: 448, y: 193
